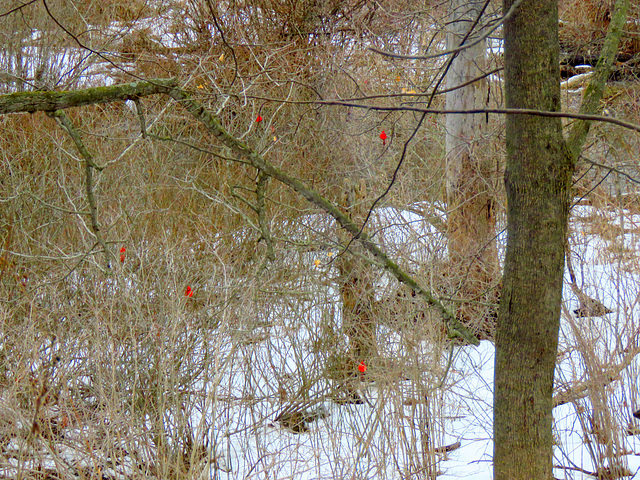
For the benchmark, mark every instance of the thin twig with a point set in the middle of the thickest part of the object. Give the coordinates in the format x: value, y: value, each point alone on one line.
x: 90, y: 165
x: 482, y: 38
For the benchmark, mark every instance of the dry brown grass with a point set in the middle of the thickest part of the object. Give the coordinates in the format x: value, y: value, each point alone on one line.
x: 114, y: 371
x: 584, y: 24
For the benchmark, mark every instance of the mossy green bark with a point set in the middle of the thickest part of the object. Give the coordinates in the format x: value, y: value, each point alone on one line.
x: 45, y: 101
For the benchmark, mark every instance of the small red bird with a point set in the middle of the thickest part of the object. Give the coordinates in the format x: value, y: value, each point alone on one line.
x: 258, y: 118
x: 383, y: 136
x: 188, y: 292
x: 122, y: 250
x: 362, y: 367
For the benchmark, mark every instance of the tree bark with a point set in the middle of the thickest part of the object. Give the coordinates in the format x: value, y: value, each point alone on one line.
x: 356, y: 286
x: 470, y: 175
x: 595, y: 90
x: 52, y: 101
x: 537, y: 180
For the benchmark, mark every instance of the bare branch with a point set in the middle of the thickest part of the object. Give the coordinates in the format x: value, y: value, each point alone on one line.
x: 611, y: 169
x: 482, y: 38
x: 90, y: 165
x: 504, y: 111
x: 19, y: 7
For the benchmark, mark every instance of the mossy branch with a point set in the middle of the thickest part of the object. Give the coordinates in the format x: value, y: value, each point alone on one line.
x: 591, y: 101
x: 46, y: 101
x: 55, y: 101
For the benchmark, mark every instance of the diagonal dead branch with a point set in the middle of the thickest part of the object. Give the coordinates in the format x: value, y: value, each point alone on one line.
x: 591, y: 102
x: 209, y: 120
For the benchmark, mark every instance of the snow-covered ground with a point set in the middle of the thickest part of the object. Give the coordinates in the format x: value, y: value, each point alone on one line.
x: 381, y: 438
x: 268, y: 410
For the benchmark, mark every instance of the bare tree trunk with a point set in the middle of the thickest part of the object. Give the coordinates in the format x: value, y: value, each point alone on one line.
x: 356, y: 286
x: 540, y: 165
x: 470, y: 175
x: 538, y: 181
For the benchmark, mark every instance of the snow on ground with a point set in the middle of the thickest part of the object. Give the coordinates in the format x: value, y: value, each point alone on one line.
x: 279, y: 367
x: 350, y: 440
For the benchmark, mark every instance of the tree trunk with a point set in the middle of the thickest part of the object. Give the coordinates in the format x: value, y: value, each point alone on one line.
x: 470, y: 175
x: 537, y: 180
x: 356, y: 286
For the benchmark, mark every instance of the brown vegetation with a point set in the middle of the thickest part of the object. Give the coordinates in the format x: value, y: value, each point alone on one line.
x: 110, y: 358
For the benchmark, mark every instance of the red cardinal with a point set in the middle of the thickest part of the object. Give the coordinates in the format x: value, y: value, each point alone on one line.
x: 383, y: 136
x: 362, y: 368
x: 188, y: 292
x: 122, y: 250
x: 258, y: 118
